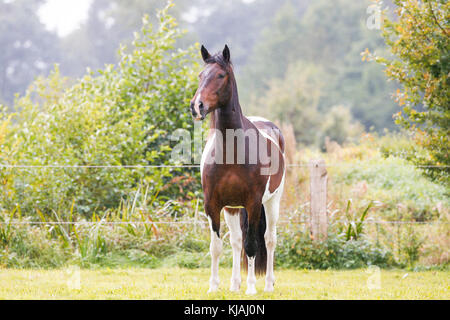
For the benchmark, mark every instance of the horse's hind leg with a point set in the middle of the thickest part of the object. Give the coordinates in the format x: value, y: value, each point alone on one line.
x: 232, y: 218
x: 215, y: 248
x: 251, y: 245
x: 272, y: 209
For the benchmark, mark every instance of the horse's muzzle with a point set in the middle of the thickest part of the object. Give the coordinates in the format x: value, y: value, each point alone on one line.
x: 198, y: 113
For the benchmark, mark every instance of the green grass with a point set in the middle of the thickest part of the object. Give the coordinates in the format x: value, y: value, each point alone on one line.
x: 176, y: 283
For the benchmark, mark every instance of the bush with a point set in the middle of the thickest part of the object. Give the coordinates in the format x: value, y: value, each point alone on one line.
x: 301, y: 252
x: 121, y: 116
x: 400, y: 189
x: 31, y: 247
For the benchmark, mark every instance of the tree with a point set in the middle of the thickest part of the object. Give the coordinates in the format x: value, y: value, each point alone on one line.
x: 121, y: 116
x: 294, y: 99
x: 339, y: 126
x: 109, y: 24
x: 419, y: 40
x: 27, y: 48
x: 329, y: 34
x: 279, y: 46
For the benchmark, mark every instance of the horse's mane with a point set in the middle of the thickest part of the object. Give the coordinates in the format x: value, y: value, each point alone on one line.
x: 219, y: 59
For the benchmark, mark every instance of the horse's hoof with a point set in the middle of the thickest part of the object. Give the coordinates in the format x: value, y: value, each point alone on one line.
x: 268, y: 288
x: 213, y: 290
x: 235, y: 288
x: 250, y: 291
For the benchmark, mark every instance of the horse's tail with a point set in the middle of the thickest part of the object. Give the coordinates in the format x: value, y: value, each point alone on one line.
x: 261, y: 251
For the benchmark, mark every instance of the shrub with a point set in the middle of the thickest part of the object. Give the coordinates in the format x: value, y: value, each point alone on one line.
x: 301, y: 252
x: 121, y: 116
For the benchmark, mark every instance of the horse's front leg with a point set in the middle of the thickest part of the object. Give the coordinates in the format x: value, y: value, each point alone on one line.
x: 215, y: 247
x: 232, y: 217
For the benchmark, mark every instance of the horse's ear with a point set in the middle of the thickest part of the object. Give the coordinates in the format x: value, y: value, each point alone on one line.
x: 205, y: 54
x: 226, y: 54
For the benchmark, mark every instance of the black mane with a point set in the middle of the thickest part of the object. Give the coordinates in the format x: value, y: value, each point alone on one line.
x: 219, y: 59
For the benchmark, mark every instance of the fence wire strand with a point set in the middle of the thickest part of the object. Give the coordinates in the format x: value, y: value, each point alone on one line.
x: 187, y: 222
x: 291, y: 165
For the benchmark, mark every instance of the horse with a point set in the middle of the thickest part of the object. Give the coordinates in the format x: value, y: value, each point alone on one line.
x: 235, y: 179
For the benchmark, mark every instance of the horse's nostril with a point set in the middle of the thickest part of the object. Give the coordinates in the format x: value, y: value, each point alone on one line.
x: 200, y: 105
x: 193, y: 111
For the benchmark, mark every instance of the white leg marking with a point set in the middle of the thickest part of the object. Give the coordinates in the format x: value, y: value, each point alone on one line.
x: 233, y: 222
x: 251, y: 278
x: 215, y: 249
x: 272, y: 209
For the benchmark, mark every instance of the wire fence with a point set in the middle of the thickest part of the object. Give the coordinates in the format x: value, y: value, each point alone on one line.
x: 195, y: 222
x: 291, y: 165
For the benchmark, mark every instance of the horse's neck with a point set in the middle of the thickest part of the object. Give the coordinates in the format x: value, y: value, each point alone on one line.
x: 229, y: 116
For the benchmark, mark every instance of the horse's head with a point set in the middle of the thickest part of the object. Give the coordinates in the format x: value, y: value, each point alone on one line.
x: 214, y: 88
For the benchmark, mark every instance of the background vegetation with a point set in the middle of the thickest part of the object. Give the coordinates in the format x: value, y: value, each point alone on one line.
x: 301, y: 63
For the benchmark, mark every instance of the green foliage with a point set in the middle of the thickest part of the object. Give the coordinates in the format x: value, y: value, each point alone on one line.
x: 294, y: 99
x: 339, y: 125
x: 411, y: 245
x: 104, y: 243
x: 121, y: 116
x: 302, y: 252
x: 328, y: 36
x: 377, y: 164
x: 354, y: 225
x: 418, y: 38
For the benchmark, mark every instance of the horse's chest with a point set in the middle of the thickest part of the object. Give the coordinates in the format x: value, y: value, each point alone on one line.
x: 225, y: 178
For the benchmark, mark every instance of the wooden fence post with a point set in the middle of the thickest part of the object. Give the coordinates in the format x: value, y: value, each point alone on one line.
x: 319, y: 216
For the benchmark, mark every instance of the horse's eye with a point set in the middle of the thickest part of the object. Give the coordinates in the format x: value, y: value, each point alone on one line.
x: 221, y: 75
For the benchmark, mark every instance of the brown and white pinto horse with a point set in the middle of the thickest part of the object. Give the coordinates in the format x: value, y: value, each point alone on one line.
x: 245, y: 179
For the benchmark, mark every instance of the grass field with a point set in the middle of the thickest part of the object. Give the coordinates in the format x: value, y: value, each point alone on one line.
x: 178, y: 283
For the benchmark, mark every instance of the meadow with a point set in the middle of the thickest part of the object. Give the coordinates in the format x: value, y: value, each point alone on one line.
x: 184, y: 284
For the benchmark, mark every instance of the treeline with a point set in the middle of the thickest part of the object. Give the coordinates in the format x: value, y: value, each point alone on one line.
x: 297, y: 60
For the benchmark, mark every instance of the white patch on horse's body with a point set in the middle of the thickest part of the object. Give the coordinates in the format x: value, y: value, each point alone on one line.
x: 257, y: 119
x: 206, y: 152
x: 267, y: 194
x: 263, y: 132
